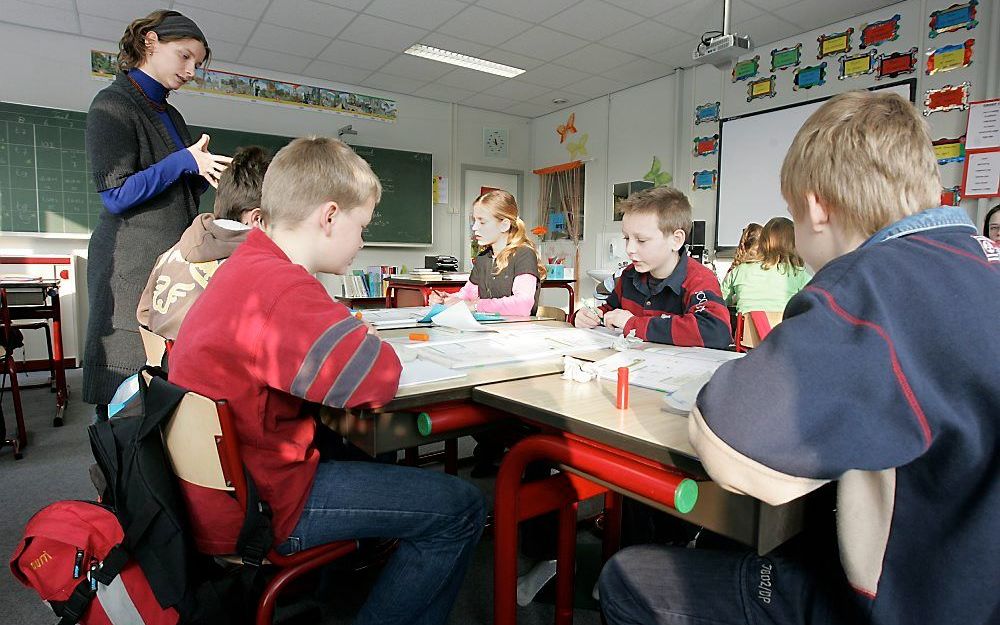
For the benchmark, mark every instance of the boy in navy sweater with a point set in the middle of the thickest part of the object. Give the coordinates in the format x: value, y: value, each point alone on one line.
x: 873, y: 380
x: 663, y: 295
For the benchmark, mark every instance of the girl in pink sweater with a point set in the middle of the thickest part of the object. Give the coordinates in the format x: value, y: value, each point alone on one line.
x: 506, y: 275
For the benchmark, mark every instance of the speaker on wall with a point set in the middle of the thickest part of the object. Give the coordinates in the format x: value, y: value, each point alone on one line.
x: 697, y: 242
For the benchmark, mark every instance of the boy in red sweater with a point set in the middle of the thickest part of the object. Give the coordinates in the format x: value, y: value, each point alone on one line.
x: 268, y: 338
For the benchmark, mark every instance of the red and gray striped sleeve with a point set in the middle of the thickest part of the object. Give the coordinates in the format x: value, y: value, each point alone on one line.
x: 311, y: 347
x: 704, y: 322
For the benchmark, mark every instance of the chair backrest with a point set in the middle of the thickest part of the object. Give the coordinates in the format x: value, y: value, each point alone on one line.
x: 193, y: 439
x: 552, y: 312
x: 760, y: 325
x: 155, y: 346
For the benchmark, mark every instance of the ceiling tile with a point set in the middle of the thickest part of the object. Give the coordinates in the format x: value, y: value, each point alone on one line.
x: 393, y: 83
x: 375, y: 31
x: 104, y: 8
x: 552, y: 76
x: 62, y: 5
x: 645, y: 38
x: 436, y: 91
x: 696, y: 18
x: 538, y: 11
x: 225, y: 51
x: 677, y: 56
x: 810, y: 14
x: 648, y: 8
x: 470, y: 79
x: 595, y: 86
x: 489, y: 27
x: 770, y: 5
x: 356, y: 55
x: 516, y: 90
x: 544, y: 43
x: 309, y: 16
x: 219, y: 26
x: 277, y: 61
x: 595, y: 58
x: 512, y: 58
x: 639, y: 71
x: 18, y: 12
x: 455, y: 44
x: 526, y: 110
x: 279, y: 39
x: 103, y: 28
x: 546, y: 99
x: 489, y: 102
x: 336, y: 73
x: 593, y: 20
x: 250, y: 9
x: 426, y: 13
x: 416, y: 68
x: 765, y: 29
x: 354, y: 5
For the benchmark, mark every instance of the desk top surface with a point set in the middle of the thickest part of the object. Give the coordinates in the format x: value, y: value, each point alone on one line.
x: 588, y: 409
x: 33, y: 283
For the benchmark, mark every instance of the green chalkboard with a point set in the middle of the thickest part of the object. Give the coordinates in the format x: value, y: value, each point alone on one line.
x: 46, y: 185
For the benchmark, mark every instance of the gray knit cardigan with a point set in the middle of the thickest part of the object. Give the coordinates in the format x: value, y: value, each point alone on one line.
x: 124, y: 136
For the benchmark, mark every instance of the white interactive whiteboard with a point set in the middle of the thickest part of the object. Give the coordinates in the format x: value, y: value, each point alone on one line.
x: 752, y: 149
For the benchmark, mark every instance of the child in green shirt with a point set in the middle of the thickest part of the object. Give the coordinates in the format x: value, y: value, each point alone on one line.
x: 768, y: 283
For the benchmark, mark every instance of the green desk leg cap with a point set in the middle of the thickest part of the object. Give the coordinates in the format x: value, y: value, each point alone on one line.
x: 424, y: 424
x: 686, y: 495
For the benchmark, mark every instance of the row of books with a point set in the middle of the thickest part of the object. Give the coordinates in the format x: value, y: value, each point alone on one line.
x: 430, y: 275
x: 370, y: 282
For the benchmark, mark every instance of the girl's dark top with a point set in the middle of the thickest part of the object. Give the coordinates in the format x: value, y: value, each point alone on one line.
x: 492, y: 285
x: 126, y: 135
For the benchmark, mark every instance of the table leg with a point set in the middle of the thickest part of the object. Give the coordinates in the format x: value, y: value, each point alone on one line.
x: 566, y: 564
x: 62, y: 393
x: 572, y: 299
x: 612, y: 524
x: 390, y: 299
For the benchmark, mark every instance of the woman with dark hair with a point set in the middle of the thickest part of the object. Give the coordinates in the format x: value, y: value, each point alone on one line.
x: 991, y: 225
x: 150, y: 176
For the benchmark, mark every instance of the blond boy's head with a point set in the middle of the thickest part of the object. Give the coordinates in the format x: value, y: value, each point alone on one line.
x: 310, y: 172
x: 670, y: 206
x: 655, y: 222
x: 867, y: 157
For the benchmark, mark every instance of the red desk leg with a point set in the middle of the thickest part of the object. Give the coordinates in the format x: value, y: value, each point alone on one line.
x: 572, y: 299
x: 565, y: 564
x: 62, y: 394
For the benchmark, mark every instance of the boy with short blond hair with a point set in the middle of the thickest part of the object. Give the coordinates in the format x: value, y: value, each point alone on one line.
x: 268, y: 338
x: 663, y: 295
x: 873, y: 380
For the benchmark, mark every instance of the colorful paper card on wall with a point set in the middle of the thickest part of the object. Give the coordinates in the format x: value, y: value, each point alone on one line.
x: 947, y: 58
x: 704, y: 146
x: 656, y: 175
x: 578, y: 148
x: 746, y: 69
x: 949, y: 150
x: 834, y: 43
x: 852, y: 66
x: 809, y: 77
x: 706, y: 113
x: 950, y: 196
x: 896, y: 64
x: 947, y: 98
x: 956, y: 17
x: 786, y: 57
x: 763, y: 88
x: 704, y: 179
x: 877, y: 33
x: 563, y: 130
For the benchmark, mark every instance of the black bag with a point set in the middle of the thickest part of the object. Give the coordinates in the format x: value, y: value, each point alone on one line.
x: 11, y: 339
x: 143, y: 491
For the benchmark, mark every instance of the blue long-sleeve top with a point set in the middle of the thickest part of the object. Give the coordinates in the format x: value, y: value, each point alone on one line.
x: 151, y: 181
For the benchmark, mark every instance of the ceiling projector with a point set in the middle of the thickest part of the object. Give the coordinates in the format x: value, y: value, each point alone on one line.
x: 722, y: 50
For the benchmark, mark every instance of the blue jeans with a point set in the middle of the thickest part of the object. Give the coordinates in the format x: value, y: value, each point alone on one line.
x: 659, y: 585
x: 436, y: 517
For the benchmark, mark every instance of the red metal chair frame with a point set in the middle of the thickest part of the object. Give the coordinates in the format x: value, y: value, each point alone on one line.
x: 8, y: 365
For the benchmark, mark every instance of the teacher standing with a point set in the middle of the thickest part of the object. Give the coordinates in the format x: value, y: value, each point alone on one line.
x: 150, y: 176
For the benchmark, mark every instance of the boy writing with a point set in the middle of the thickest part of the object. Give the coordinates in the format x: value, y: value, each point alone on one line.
x: 267, y: 337
x: 873, y: 380
x: 663, y: 295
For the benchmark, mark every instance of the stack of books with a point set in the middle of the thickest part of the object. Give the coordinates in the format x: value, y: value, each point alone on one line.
x: 427, y: 275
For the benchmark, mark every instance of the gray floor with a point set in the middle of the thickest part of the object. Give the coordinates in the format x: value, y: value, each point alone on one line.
x: 55, y: 467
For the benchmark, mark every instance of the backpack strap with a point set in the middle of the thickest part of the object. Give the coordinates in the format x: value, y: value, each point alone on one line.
x: 159, y: 400
x: 72, y: 610
x: 256, y: 535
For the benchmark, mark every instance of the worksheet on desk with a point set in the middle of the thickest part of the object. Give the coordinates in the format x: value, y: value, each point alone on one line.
x: 666, y: 368
x: 388, y: 317
x: 520, y: 345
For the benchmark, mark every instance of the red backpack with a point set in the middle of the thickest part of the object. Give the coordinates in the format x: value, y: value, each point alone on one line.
x: 72, y: 555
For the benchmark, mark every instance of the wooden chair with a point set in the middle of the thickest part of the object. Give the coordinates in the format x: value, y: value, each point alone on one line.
x: 553, y: 312
x: 749, y: 335
x: 155, y: 346
x: 9, y: 368
x: 203, y: 448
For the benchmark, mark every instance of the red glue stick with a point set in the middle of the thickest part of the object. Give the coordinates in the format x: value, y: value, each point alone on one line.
x: 621, y: 400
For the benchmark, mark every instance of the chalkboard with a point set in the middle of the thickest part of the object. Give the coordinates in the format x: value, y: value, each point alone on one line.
x: 46, y: 185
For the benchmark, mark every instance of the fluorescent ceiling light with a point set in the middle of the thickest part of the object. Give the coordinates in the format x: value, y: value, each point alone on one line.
x: 463, y: 60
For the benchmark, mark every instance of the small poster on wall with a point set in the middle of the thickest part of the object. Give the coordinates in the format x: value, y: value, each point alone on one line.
x: 947, y: 98
x: 747, y: 69
x: 947, y: 58
x: 954, y: 18
x: 857, y: 65
x: 809, y: 77
x: 949, y: 150
x: 706, y: 113
x: 705, y: 146
x: 763, y: 88
x: 877, y: 33
x: 705, y: 179
x: 834, y: 43
x: 786, y: 57
x: 950, y: 196
x: 896, y: 64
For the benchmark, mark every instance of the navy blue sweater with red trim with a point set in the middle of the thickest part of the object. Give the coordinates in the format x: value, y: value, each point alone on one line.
x: 684, y: 309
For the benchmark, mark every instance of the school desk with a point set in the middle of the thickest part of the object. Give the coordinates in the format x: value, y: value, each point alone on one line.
x: 43, y: 295
x: 627, y: 451
x: 402, y: 292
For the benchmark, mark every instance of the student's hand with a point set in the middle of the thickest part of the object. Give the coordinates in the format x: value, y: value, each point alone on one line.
x: 587, y: 318
x: 451, y: 299
x: 617, y: 318
x: 436, y: 297
x: 210, y: 166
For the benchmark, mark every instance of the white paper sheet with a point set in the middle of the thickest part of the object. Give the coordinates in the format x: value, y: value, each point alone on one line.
x: 459, y: 316
x: 523, y: 344
x: 983, y: 176
x: 420, y: 371
x: 984, y: 126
